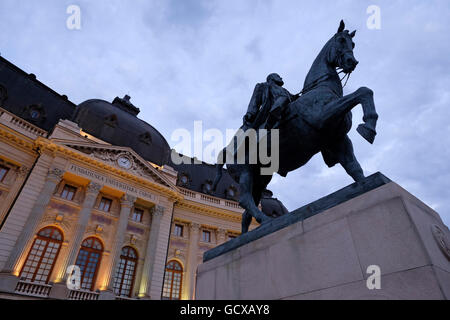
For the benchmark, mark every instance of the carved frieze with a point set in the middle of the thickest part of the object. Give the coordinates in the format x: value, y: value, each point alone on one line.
x: 112, y: 158
x: 55, y: 173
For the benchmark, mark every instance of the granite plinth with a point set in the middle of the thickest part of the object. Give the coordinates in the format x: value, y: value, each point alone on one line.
x: 374, y: 181
x: 327, y: 255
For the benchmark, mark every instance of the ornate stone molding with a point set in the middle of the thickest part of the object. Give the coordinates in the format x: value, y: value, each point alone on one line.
x: 111, y: 157
x: 442, y: 240
x: 82, y: 152
x: 22, y: 171
x: 55, y: 174
x: 93, y: 187
x: 158, y: 211
x: 127, y: 200
x: 9, y: 164
x: 22, y: 141
x: 210, y: 210
x: 194, y: 226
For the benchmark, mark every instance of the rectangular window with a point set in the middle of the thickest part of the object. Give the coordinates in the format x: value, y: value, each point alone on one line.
x: 68, y: 192
x: 137, y: 215
x: 178, y: 230
x: 105, y: 204
x: 3, y: 172
x: 206, y: 236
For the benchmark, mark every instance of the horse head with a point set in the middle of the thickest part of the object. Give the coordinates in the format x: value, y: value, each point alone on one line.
x: 340, y: 54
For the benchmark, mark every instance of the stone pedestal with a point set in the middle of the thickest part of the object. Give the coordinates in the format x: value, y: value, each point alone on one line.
x: 106, y: 295
x: 8, y: 282
x: 326, y: 250
x: 59, y: 291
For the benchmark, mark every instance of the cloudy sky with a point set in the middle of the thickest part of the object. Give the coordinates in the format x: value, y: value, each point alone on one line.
x: 187, y: 60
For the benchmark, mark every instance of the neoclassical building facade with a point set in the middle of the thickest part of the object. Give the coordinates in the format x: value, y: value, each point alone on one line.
x: 91, y: 205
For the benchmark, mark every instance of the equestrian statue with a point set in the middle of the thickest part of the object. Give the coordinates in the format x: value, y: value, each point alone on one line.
x: 315, y: 120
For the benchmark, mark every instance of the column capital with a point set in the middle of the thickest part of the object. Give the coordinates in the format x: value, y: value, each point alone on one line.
x: 194, y: 226
x: 221, y: 232
x: 127, y: 200
x: 55, y: 174
x: 22, y: 171
x: 158, y: 211
x: 93, y: 187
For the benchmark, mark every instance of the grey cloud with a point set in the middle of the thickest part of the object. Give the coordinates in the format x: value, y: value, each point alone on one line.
x: 199, y: 60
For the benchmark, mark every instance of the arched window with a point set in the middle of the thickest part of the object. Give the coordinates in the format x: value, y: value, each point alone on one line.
x: 89, y: 260
x: 40, y: 261
x: 126, y: 270
x: 172, y: 281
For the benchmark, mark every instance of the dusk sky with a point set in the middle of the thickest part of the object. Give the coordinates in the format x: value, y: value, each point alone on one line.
x: 187, y: 60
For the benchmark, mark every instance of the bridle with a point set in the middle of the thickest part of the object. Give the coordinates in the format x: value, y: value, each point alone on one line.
x: 342, y: 54
x: 327, y: 75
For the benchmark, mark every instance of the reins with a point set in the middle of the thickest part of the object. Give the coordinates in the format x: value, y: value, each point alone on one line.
x: 325, y: 77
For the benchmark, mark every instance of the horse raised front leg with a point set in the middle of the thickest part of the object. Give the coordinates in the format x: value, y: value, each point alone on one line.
x: 339, y: 107
x: 368, y: 129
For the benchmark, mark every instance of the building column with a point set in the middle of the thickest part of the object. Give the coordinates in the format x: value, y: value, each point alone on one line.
x: 10, y: 272
x: 20, y: 178
x: 150, y: 255
x: 221, y: 236
x: 192, y: 259
x: 92, y: 191
x: 126, y: 204
x: 12, y: 265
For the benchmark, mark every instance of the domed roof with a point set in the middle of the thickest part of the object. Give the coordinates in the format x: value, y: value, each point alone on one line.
x: 272, y: 207
x: 200, y: 176
x: 117, y: 123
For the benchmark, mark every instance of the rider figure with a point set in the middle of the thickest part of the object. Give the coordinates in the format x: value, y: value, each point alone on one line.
x: 267, y: 107
x: 268, y: 103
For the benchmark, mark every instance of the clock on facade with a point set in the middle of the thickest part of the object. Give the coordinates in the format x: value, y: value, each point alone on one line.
x: 124, y: 162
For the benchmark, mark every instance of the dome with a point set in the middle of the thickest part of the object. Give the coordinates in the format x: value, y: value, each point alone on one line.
x: 272, y: 207
x: 200, y: 176
x: 117, y: 123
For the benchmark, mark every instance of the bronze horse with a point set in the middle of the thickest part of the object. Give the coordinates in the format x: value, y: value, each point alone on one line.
x: 318, y: 121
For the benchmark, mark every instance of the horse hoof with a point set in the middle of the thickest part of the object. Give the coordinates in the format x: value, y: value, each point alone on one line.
x: 366, y: 132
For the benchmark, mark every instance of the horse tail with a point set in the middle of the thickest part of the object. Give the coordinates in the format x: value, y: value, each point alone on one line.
x: 219, y: 166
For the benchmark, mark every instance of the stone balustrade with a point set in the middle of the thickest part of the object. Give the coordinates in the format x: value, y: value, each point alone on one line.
x: 200, y: 197
x: 83, y: 295
x: 21, y: 125
x: 33, y: 289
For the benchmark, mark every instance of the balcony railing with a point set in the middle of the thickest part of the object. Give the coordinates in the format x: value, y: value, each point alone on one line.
x: 33, y: 289
x: 83, y: 295
x: 20, y: 125
x: 232, y: 204
x: 211, y: 199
